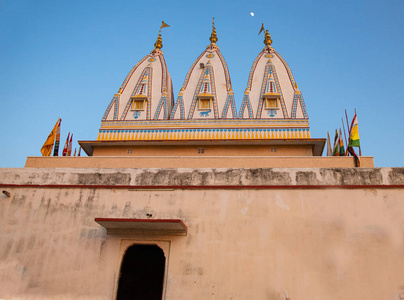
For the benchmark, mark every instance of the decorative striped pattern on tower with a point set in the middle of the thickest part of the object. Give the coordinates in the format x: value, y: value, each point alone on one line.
x: 179, y: 134
x: 114, y: 103
x: 246, y: 104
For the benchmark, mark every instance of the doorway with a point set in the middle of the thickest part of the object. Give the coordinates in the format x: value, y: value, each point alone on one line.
x: 142, y: 273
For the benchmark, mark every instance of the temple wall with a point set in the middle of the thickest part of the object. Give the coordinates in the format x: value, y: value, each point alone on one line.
x: 207, y: 151
x: 200, y: 161
x: 252, y: 233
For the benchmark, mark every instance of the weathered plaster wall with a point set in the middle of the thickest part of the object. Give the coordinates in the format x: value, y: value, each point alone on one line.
x: 201, y: 161
x: 252, y: 233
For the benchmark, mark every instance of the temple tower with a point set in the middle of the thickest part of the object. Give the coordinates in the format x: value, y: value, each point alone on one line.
x: 272, y: 92
x: 146, y: 93
x: 206, y: 92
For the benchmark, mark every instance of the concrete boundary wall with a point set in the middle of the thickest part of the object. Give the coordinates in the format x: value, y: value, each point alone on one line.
x: 207, y: 178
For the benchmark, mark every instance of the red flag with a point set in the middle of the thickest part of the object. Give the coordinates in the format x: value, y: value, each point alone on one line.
x: 66, y: 145
x: 69, y: 146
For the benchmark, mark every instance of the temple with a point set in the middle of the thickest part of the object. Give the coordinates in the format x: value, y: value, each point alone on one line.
x: 144, y: 127
x: 272, y: 116
x: 192, y: 197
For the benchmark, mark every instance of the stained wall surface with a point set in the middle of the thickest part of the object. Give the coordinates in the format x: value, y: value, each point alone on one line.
x: 201, y: 161
x: 252, y: 233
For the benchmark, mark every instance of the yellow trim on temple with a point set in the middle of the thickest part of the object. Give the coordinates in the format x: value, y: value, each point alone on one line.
x: 208, y: 134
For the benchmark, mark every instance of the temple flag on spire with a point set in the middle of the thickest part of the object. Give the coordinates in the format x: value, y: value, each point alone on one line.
x: 57, y: 141
x: 159, y: 43
x: 262, y: 29
x: 64, y: 153
x: 46, y: 149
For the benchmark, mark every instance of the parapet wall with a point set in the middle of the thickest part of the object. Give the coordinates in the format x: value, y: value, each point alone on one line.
x: 196, y: 162
x: 220, y: 177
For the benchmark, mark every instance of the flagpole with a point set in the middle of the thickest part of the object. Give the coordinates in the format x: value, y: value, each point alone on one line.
x: 349, y: 131
x: 347, y: 124
x: 343, y: 127
x: 360, y: 151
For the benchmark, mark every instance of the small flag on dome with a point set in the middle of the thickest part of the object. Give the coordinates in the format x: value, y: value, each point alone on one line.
x: 46, y: 149
x: 164, y: 24
x: 262, y: 29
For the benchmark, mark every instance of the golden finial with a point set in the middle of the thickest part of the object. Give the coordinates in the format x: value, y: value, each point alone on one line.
x: 213, y: 37
x: 159, y: 43
x: 267, y: 40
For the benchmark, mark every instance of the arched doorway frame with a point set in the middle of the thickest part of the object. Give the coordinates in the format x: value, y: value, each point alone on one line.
x: 126, y: 243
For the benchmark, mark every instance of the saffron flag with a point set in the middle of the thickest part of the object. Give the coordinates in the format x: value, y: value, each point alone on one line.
x: 164, y: 24
x: 354, y: 134
x: 341, y: 144
x: 74, y: 152
x: 66, y: 144
x: 336, y: 144
x: 57, y: 141
x: 329, y: 147
x: 262, y: 29
x: 46, y: 149
x: 69, y: 146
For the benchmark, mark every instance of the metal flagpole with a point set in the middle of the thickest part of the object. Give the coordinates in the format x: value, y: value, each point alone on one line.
x: 346, y: 143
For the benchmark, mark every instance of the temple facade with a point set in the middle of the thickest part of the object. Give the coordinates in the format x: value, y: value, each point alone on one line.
x: 204, y: 120
x: 192, y: 197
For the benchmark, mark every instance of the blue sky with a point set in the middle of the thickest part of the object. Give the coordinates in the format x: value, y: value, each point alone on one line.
x: 67, y: 59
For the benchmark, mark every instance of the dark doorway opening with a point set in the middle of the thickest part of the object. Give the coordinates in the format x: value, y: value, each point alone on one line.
x: 142, y: 273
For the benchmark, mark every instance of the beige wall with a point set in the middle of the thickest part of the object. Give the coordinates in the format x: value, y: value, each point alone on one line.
x: 311, y: 233
x: 235, y: 150
x: 201, y: 161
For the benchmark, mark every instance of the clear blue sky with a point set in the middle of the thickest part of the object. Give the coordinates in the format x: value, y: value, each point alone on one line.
x: 67, y: 59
